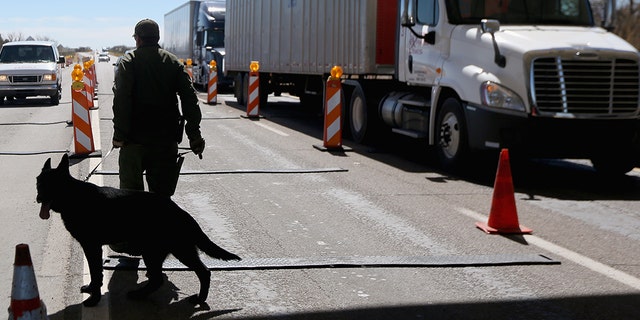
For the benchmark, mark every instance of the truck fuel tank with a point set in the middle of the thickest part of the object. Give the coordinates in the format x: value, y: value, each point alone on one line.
x: 406, y: 110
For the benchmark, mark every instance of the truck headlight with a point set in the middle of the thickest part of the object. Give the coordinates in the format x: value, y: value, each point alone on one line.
x: 49, y: 77
x: 4, y: 78
x: 497, y: 96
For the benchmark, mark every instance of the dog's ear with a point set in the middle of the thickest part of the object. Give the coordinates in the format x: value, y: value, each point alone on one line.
x: 47, y: 165
x: 64, y: 163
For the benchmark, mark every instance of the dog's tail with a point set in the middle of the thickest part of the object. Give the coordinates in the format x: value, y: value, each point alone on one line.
x: 213, y: 250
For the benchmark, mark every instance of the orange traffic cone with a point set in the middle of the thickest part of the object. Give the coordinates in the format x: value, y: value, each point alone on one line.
x: 25, y: 300
x: 503, y: 217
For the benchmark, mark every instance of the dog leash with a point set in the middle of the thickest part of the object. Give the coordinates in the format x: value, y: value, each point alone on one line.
x: 99, y: 163
x: 180, y: 154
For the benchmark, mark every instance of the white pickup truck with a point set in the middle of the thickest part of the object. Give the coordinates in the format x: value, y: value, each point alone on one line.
x: 28, y: 69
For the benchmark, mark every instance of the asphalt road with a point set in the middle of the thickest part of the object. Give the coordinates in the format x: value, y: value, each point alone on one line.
x: 263, y: 191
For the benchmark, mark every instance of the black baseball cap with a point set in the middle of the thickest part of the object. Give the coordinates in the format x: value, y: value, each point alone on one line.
x: 147, y: 28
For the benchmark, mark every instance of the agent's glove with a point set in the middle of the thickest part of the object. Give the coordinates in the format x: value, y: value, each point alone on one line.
x: 197, y: 146
x: 117, y: 143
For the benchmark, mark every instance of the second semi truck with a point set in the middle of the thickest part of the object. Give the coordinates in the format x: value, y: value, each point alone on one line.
x: 539, y: 77
x: 194, y: 32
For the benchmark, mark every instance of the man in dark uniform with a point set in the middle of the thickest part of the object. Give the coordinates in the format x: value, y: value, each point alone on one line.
x: 146, y: 114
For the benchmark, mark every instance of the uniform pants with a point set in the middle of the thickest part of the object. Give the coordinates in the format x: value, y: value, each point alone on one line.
x: 159, y: 163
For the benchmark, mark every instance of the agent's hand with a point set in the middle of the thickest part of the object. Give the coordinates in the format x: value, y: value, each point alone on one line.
x: 117, y: 143
x: 197, y: 146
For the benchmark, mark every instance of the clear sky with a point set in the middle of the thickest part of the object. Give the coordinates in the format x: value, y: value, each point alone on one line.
x: 83, y: 23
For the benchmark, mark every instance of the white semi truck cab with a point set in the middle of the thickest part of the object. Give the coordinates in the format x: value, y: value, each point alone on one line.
x: 538, y: 77
x: 535, y: 76
x: 194, y: 32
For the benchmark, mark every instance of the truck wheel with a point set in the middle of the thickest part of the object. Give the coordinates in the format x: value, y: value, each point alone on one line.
x: 1, y: 100
x: 358, y: 116
x: 55, y: 99
x: 238, y: 88
x: 614, y: 165
x: 263, y: 90
x: 204, y: 78
x: 313, y: 93
x: 245, y: 89
x: 451, y: 134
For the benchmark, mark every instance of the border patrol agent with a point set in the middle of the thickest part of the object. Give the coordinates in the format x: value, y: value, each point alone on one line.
x: 146, y: 115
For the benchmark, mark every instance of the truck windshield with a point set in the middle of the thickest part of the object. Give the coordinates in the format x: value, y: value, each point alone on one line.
x: 27, y: 53
x: 521, y: 12
x: 215, y: 39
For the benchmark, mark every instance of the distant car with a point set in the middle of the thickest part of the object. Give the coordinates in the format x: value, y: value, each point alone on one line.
x: 104, y: 56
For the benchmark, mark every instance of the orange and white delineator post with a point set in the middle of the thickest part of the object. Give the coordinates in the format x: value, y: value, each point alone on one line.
x: 25, y: 299
x: 88, y: 83
x: 82, y: 132
x: 253, y: 101
x: 212, y: 88
x: 189, y: 68
x: 332, y: 136
x: 94, y: 78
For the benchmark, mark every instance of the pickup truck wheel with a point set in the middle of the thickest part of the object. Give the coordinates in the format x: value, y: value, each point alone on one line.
x: 55, y: 99
x: 1, y: 100
x: 451, y: 134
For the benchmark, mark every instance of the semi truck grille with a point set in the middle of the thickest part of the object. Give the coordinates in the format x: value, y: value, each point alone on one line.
x: 609, y: 87
x: 23, y: 79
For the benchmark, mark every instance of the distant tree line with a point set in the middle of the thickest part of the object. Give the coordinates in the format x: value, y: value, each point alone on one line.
x: 62, y: 49
x: 626, y: 21
x: 118, y: 50
x: 627, y: 24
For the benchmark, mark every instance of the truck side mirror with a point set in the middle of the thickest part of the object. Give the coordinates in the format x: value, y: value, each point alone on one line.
x: 406, y: 18
x: 429, y: 36
x: 406, y: 21
x: 492, y: 26
x: 62, y: 60
x: 609, y: 16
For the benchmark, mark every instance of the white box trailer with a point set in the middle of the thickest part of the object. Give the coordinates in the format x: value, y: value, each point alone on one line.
x: 310, y: 37
x: 305, y: 39
x: 179, y: 29
x: 538, y: 77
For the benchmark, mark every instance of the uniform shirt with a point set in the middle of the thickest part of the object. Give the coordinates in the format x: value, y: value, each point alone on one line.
x: 145, y: 103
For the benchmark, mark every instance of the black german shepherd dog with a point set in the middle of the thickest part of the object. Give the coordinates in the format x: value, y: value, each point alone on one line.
x: 154, y: 224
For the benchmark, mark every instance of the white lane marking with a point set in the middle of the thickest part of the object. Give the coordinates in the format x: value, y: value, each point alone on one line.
x: 101, y: 311
x: 284, y: 134
x: 596, y: 266
x: 272, y: 129
x: 584, y: 261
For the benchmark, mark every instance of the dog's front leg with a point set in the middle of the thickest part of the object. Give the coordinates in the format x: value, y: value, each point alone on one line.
x: 93, y: 253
